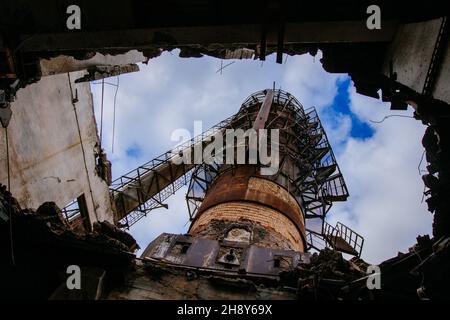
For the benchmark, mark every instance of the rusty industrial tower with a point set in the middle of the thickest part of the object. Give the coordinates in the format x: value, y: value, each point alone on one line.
x: 242, y: 221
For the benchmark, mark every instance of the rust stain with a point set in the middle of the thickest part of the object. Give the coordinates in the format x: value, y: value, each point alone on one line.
x: 236, y: 186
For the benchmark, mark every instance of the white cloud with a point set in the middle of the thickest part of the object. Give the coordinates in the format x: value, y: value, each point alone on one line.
x: 312, y: 84
x: 337, y: 127
x: 385, y: 187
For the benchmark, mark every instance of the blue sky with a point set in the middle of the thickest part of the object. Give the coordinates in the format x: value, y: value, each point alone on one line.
x: 341, y: 104
x: 134, y: 151
x: 379, y: 161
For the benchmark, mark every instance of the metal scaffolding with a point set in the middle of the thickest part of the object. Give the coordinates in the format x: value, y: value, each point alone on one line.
x: 307, y: 162
x: 318, y: 181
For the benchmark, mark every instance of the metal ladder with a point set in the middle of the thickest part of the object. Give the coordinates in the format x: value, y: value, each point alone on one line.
x: 342, y: 238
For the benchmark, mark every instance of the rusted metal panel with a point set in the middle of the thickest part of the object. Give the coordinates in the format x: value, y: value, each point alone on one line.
x: 208, y: 254
x: 234, y: 186
x: 263, y: 260
x: 202, y: 253
x: 261, y: 118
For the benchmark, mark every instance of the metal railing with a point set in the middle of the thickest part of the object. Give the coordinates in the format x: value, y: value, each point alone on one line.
x: 355, y: 240
x: 71, y: 211
x: 339, y: 238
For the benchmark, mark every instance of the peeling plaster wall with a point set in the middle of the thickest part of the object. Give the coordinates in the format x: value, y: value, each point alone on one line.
x: 46, y: 156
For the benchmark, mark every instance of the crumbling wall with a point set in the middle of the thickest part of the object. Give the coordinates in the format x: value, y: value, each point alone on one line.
x: 37, y: 247
x: 62, y: 63
x: 52, y: 141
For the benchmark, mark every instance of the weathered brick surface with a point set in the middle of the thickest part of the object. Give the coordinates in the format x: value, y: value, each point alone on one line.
x: 270, y: 219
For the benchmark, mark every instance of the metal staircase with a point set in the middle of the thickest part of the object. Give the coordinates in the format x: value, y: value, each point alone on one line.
x: 340, y: 238
x: 148, y: 186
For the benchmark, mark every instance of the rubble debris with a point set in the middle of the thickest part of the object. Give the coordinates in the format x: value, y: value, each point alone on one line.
x: 8, y: 204
x: 435, y: 271
x: 325, y: 276
x: 108, y: 229
x: 114, y: 273
x: 50, y: 212
x: 101, y: 72
x: 436, y: 141
x: 44, y: 246
x: 48, y: 217
x: 151, y: 280
x: 103, y: 165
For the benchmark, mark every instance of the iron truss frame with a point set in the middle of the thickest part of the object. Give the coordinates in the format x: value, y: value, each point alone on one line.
x: 146, y: 188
